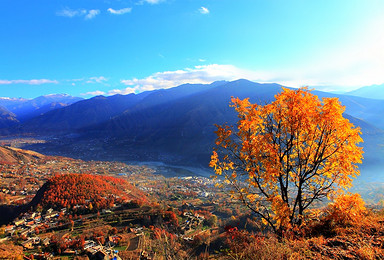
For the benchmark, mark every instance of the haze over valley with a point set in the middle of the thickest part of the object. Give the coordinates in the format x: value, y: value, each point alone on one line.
x: 174, y: 126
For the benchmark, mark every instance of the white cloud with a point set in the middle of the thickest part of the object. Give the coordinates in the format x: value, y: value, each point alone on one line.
x: 125, y: 91
x: 87, y: 14
x: 92, y: 14
x: 93, y: 93
x: 74, y: 80
x: 198, y: 75
x: 100, y: 79
x: 120, y: 11
x: 28, y: 82
x: 331, y: 78
x: 67, y: 12
x: 152, y: 2
x: 203, y: 10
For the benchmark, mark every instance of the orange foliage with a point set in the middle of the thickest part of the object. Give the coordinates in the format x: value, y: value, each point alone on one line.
x: 10, y: 251
x: 158, y: 233
x: 171, y: 217
x: 167, y: 245
x: 285, y: 155
x: 358, y: 241
x: 347, y: 209
x: 85, y: 190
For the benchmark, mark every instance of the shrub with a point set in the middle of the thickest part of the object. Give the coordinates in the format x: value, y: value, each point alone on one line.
x: 348, y: 209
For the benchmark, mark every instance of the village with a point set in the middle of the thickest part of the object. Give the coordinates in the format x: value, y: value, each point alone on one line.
x: 187, y: 205
x: 44, y: 235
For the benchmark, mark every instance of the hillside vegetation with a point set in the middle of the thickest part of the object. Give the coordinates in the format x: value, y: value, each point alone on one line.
x: 11, y: 155
x: 327, y: 238
x: 85, y: 191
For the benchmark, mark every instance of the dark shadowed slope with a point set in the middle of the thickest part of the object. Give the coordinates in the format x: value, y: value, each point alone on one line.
x: 99, y: 109
x: 185, y: 126
x: 149, y: 105
x: 80, y: 114
x: 7, y: 118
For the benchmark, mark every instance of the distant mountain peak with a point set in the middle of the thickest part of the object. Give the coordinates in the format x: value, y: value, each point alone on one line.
x: 57, y: 95
x: 241, y: 80
x: 373, y: 91
x: 219, y: 82
x: 99, y: 97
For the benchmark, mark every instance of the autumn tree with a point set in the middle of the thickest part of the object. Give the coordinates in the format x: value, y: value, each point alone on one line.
x: 283, y: 156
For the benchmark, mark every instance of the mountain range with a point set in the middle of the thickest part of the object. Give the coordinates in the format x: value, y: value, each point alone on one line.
x: 374, y: 91
x: 25, y: 109
x: 175, y: 125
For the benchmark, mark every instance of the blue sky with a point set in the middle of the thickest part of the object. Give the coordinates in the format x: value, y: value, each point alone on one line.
x: 91, y: 47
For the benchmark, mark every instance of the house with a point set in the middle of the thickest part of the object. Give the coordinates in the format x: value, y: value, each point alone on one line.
x: 37, y: 219
x: 89, y: 244
x: 90, y: 251
x: 30, y: 223
x: 69, y: 252
x: 29, y: 244
x: 19, y: 222
x: 46, y: 242
x: 24, y: 232
x: 9, y: 228
x: 112, y: 241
